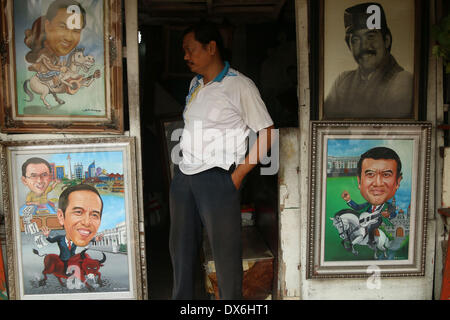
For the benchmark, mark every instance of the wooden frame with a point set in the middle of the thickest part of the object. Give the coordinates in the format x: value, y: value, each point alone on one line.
x: 390, y: 94
x: 108, y: 164
x: 86, y: 82
x: 337, y: 245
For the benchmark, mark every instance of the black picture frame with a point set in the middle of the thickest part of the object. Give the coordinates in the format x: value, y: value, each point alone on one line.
x: 335, y: 58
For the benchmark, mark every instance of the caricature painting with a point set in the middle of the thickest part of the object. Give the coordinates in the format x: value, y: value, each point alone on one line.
x: 365, y: 193
x: 72, y: 209
x: 60, y: 64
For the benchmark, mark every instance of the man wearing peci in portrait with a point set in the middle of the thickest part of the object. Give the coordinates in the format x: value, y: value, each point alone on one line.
x: 379, y: 87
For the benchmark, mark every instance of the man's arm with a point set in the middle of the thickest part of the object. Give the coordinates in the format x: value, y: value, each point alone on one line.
x: 30, y: 199
x: 46, y: 232
x: 258, y: 150
x: 352, y: 204
x: 53, y: 185
x: 50, y: 66
x: 54, y: 239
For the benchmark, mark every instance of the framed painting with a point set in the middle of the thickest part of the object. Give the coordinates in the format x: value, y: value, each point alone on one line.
x: 61, y: 66
x: 369, y: 59
x: 72, y: 221
x: 369, y: 199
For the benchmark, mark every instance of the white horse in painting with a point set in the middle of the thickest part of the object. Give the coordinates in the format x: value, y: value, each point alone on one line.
x: 351, y: 232
x: 71, y: 80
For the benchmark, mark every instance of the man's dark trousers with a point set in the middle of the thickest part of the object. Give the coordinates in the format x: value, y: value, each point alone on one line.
x: 208, y: 199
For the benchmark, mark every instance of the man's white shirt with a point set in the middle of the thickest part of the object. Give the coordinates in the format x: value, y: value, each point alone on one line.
x: 218, y: 118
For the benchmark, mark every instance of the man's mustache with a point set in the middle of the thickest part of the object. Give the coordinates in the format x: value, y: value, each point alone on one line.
x: 367, y: 51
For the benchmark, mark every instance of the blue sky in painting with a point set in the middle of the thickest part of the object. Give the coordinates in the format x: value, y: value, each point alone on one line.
x: 112, y: 161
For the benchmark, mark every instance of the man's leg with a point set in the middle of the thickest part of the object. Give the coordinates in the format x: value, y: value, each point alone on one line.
x: 185, y: 236
x: 65, y: 267
x: 219, y: 206
x: 371, y: 231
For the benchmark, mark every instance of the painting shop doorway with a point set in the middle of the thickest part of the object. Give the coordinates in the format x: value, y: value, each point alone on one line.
x: 261, y: 39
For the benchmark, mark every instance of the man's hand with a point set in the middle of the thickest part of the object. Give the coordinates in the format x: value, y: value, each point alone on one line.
x: 346, y: 196
x: 237, y: 179
x: 56, y: 182
x: 260, y: 148
x: 385, y: 214
x: 45, y: 231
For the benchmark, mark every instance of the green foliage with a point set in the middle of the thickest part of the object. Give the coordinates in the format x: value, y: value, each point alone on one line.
x: 405, y: 242
x: 404, y: 247
x: 441, y: 34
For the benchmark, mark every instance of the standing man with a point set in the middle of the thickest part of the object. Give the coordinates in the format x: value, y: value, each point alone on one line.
x: 79, y: 212
x: 379, y: 176
x: 221, y: 108
x: 379, y: 87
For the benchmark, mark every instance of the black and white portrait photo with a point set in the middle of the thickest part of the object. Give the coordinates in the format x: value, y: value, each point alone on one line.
x: 369, y: 53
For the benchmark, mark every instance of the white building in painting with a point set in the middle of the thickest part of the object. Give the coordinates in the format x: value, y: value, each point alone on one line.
x: 113, y: 239
x: 400, y: 225
x: 70, y: 167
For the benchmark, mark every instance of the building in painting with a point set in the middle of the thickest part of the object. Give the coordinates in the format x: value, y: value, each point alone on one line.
x: 400, y: 225
x: 78, y: 168
x: 69, y: 159
x: 53, y: 170
x: 91, y: 172
x: 342, y: 166
x: 118, y: 187
x: 114, y: 240
x: 60, y: 172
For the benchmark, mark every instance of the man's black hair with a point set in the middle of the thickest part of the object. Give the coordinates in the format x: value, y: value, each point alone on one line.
x: 378, y: 153
x: 52, y: 10
x: 64, y: 196
x: 35, y: 160
x: 205, y: 32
